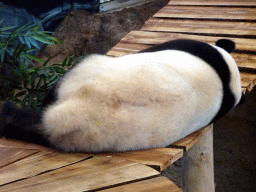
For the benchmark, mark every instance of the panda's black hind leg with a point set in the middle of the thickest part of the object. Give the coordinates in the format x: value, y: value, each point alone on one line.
x: 21, y: 123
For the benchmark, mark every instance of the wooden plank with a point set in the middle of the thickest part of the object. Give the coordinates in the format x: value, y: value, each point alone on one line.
x: 188, y: 141
x: 10, y: 155
x: 125, y: 49
x: 92, y: 174
x: 158, y: 184
x: 134, y: 41
x: 245, y: 61
x: 248, y: 80
x: 159, y: 158
x: 12, y: 143
x: 241, y: 29
x: 237, y: 3
x: 36, y: 164
x: 195, y: 12
x: 152, y: 38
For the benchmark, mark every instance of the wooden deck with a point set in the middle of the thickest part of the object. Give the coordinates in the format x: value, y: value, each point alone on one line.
x: 27, y: 167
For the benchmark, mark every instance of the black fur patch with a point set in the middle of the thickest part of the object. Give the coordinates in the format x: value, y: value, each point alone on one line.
x: 211, y: 56
x: 226, y: 44
x: 21, y: 123
x: 51, y: 96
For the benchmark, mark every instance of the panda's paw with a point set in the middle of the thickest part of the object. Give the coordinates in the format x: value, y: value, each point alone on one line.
x: 7, y: 109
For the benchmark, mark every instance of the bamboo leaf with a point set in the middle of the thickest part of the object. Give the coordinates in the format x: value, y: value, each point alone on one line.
x: 22, y: 40
x: 50, y: 37
x: 27, y: 40
x: 42, y: 39
x: 34, y: 58
x: 36, y: 28
x: 34, y: 43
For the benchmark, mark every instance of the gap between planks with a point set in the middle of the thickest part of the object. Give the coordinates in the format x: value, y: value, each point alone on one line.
x: 92, y: 174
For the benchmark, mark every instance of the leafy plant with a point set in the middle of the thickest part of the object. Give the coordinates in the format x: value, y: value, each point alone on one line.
x: 20, y: 82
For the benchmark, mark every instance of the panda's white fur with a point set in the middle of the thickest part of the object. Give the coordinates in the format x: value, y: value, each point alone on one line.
x: 137, y: 101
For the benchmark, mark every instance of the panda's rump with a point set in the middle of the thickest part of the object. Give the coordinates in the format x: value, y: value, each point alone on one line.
x: 98, y: 114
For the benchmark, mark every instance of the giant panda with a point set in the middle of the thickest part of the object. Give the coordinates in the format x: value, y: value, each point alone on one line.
x: 145, y: 100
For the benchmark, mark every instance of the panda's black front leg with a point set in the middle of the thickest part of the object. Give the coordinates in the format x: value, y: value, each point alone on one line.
x: 21, y: 123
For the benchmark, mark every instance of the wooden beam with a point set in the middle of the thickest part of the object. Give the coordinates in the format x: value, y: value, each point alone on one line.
x: 199, y: 169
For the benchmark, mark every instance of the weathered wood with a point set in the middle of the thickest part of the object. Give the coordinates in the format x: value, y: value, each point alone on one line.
x: 158, y: 184
x: 190, y: 140
x: 248, y: 80
x: 196, y: 12
x: 159, y: 158
x: 135, y: 41
x: 152, y: 38
x: 236, y: 3
x: 199, y: 174
x: 36, y: 164
x: 125, y: 49
x: 13, y: 143
x: 95, y: 173
x: 240, y: 29
x: 245, y: 61
x: 10, y: 155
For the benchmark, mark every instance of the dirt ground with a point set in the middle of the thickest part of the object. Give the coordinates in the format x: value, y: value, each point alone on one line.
x: 234, y: 143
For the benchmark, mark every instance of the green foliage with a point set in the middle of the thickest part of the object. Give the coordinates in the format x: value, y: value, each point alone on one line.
x: 19, y: 82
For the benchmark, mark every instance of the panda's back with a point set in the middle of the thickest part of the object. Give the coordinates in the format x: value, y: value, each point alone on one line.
x: 133, y: 102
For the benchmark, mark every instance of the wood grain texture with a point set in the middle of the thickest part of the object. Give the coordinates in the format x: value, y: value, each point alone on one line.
x: 152, y: 38
x: 12, y: 143
x: 95, y: 173
x: 38, y: 163
x: 230, y: 3
x: 248, y: 80
x: 216, y: 13
x: 240, y: 29
x: 10, y: 155
x: 158, y: 184
x: 159, y: 158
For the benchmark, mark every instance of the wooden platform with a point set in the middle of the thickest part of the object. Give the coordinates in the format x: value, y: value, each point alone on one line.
x: 26, y: 167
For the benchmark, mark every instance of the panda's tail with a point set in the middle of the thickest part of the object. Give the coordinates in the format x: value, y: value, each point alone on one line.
x: 21, y: 123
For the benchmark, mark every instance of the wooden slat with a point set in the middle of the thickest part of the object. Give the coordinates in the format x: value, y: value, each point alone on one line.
x: 158, y: 184
x: 248, y: 80
x: 190, y: 140
x: 218, y: 13
x: 245, y: 61
x: 10, y: 155
x: 201, y: 27
x: 159, y: 158
x: 13, y: 143
x: 152, y: 38
x: 36, y: 164
x: 125, y: 49
x: 237, y: 3
x: 95, y: 173
x: 135, y: 41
